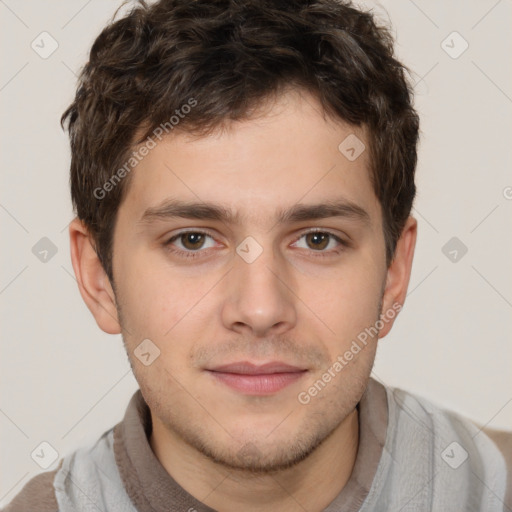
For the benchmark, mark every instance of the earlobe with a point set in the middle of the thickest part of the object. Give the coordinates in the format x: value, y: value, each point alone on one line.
x: 398, y: 274
x: 93, y: 282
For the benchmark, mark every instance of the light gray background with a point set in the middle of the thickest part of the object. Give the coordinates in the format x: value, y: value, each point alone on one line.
x: 65, y: 382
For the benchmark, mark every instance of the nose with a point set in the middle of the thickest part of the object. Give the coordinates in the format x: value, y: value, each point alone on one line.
x: 260, y: 300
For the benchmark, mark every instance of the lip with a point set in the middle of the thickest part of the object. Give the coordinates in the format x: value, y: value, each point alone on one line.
x: 248, y: 368
x: 257, y: 379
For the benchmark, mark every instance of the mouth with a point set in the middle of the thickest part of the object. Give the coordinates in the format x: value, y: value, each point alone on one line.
x: 253, y: 379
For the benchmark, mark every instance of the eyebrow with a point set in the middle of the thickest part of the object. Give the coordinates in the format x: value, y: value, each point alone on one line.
x: 174, y: 208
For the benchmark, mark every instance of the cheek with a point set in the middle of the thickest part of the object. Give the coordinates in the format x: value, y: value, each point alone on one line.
x: 347, y: 302
x: 160, y: 302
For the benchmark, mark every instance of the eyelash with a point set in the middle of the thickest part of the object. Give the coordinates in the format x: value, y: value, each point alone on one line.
x: 197, y: 254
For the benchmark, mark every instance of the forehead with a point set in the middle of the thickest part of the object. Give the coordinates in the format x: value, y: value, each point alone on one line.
x: 290, y: 153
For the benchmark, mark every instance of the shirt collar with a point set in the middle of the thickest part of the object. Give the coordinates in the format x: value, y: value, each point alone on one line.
x: 152, y: 489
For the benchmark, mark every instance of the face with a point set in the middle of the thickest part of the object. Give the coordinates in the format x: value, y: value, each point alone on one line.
x: 251, y: 259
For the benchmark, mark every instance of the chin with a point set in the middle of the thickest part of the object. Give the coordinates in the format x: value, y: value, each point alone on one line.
x: 263, y: 457
x: 269, y: 449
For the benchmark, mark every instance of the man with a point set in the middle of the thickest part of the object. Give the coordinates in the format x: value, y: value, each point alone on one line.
x: 243, y: 177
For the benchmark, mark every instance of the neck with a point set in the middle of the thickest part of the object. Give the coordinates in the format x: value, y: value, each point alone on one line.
x: 301, y: 487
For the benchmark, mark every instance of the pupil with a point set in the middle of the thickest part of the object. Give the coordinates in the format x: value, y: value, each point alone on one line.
x: 318, y: 239
x: 192, y: 240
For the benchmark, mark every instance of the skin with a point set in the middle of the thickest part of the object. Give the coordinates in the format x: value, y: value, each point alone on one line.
x: 227, y: 448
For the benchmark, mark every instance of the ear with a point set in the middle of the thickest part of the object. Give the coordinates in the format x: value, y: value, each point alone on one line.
x: 398, y: 274
x: 93, y: 282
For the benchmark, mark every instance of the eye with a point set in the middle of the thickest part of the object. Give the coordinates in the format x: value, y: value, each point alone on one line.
x: 190, y: 242
x: 320, y: 241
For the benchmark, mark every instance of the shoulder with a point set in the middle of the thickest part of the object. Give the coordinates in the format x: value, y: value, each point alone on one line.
x: 439, y: 422
x: 414, y: 411
x: 503, y: 440
x: 460, y: 453
x: 37, y: 494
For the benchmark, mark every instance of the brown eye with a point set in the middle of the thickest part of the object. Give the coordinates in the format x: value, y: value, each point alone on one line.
x: 191, y: 244
x: 318, y: 240
x: 192, y: 241
x: 322, y: 243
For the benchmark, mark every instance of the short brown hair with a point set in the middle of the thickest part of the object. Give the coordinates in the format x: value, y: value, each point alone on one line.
x: 229, y: 56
